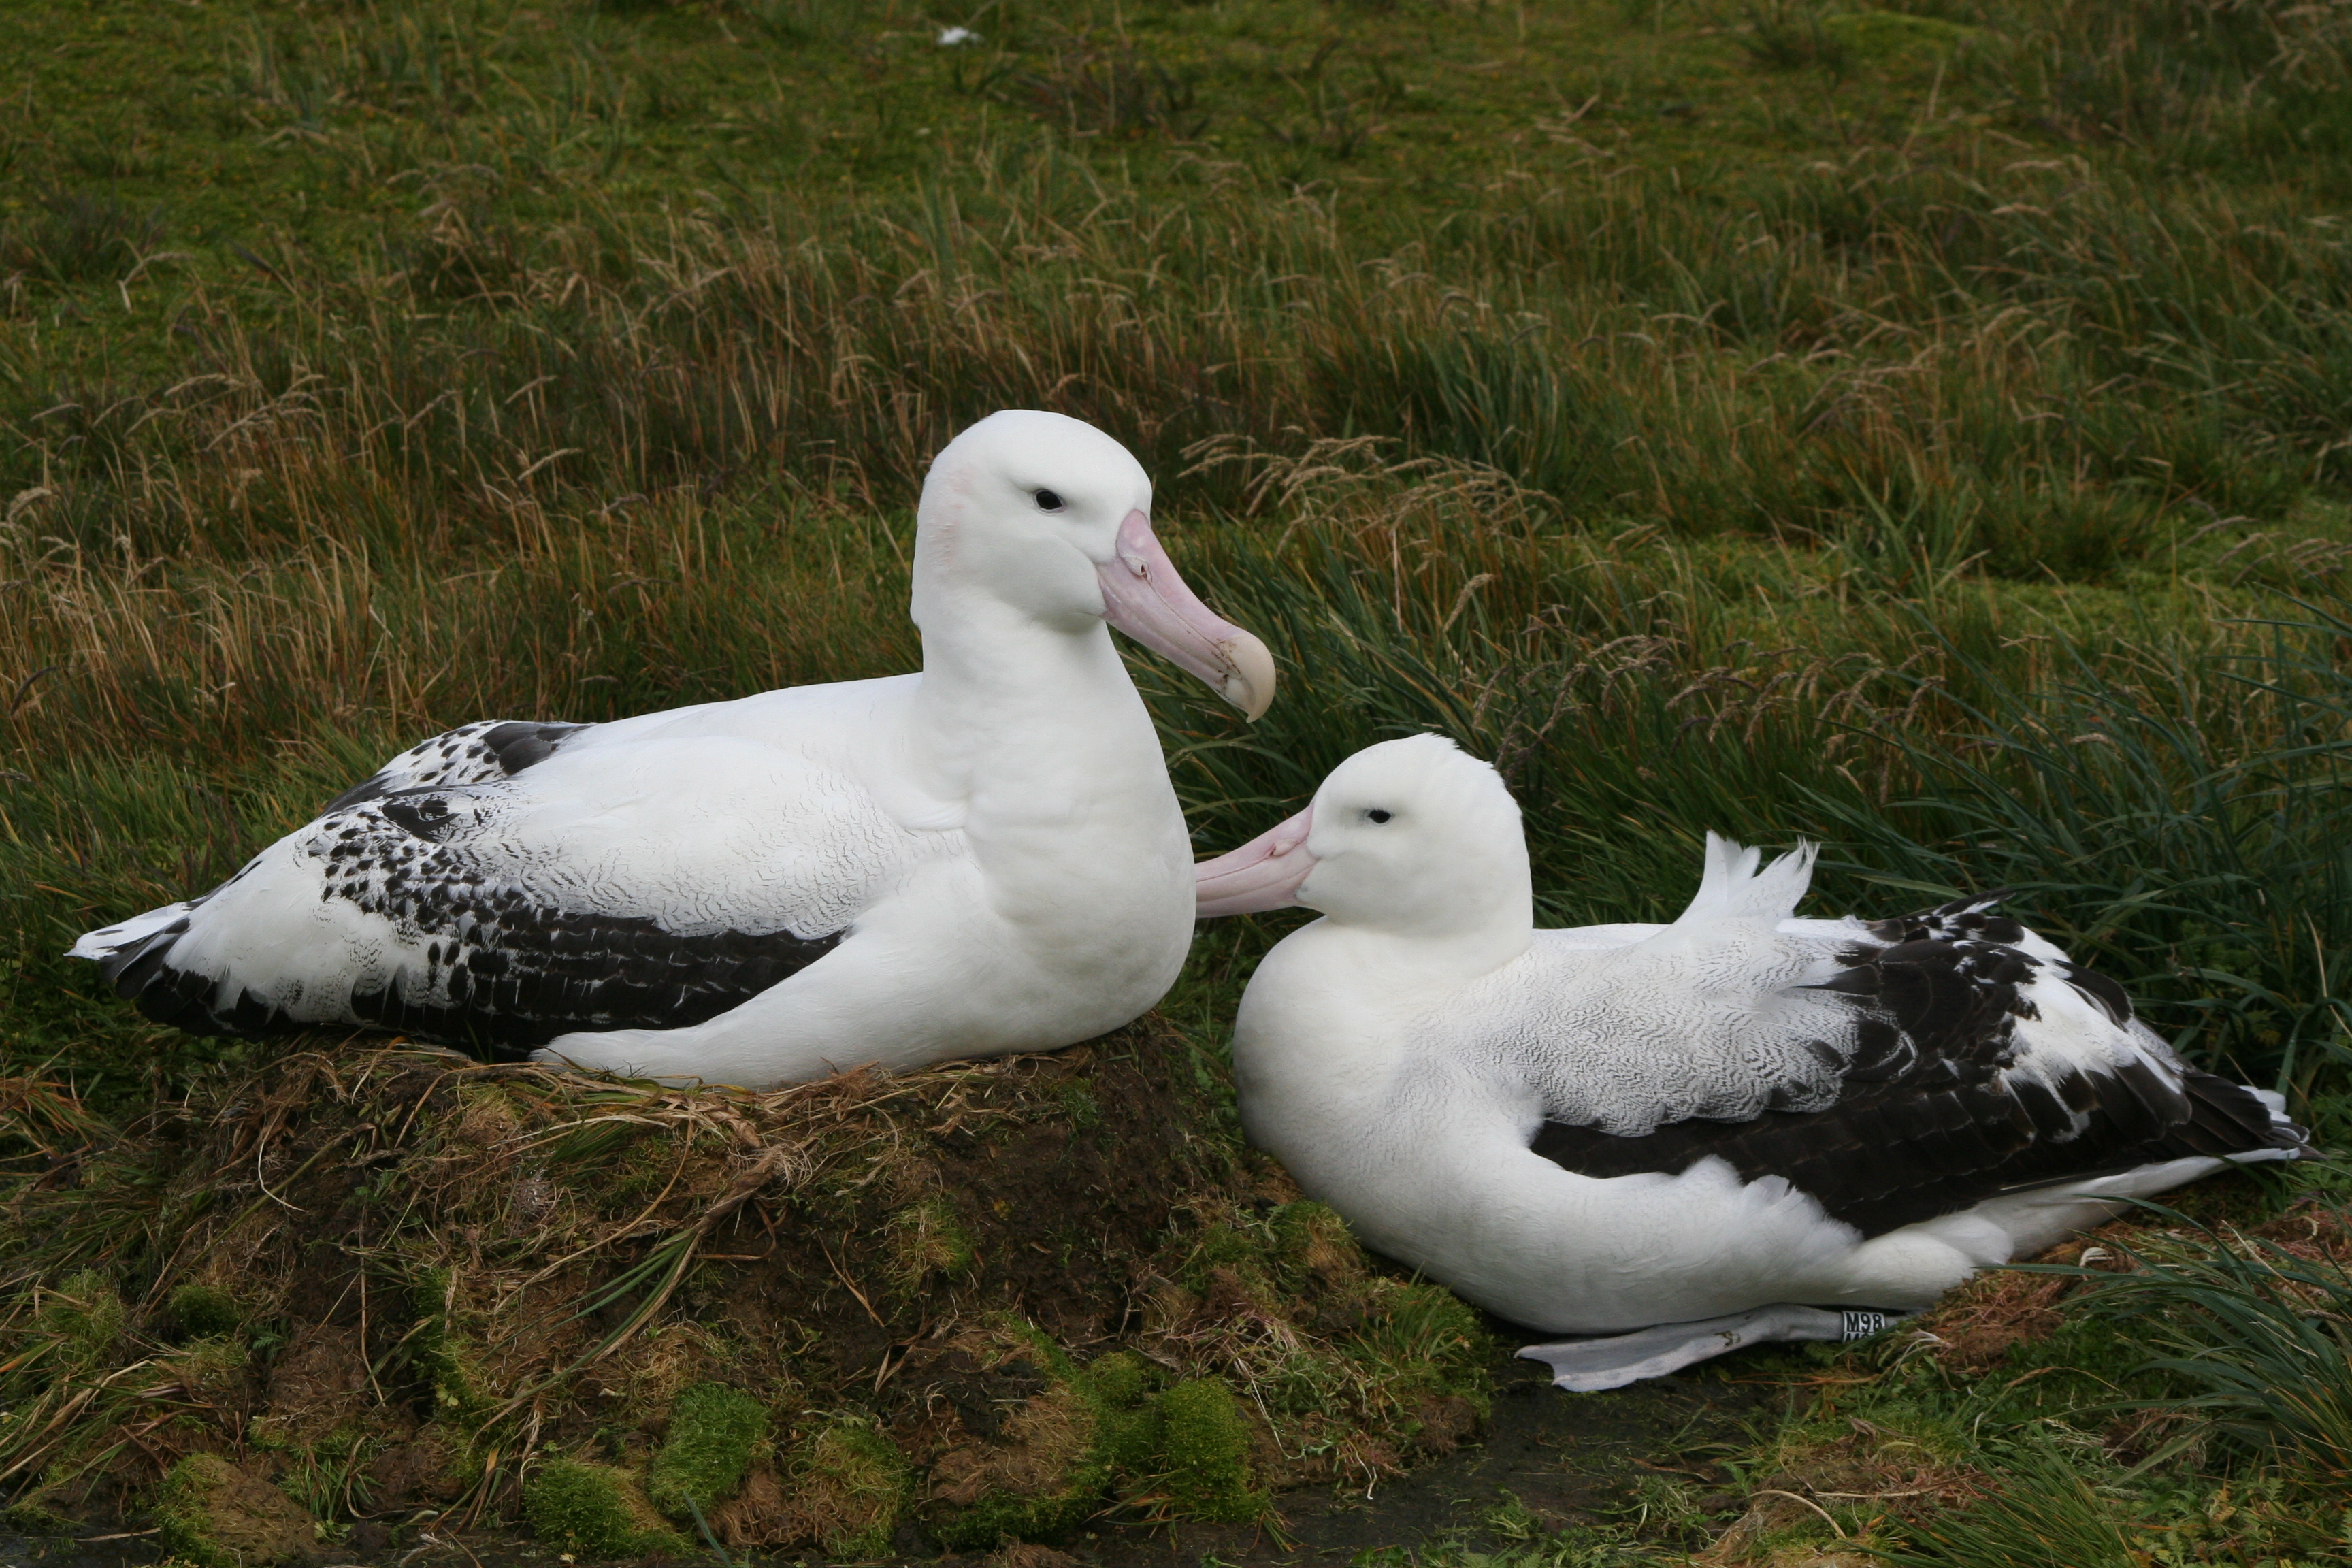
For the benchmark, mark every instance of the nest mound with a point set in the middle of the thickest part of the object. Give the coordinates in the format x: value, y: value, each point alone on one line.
x: 373, y: 1289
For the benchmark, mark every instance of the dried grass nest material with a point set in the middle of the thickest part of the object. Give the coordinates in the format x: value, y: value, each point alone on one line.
x: 978, y: 1304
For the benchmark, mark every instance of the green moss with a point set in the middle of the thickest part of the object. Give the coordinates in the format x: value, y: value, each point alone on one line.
x: 1120, y: 1380
x: 1423, y: 1339
x: 1078, y: 1102
x: 1093, y: 1430
x: 851, y: 1483
x: 30, y: 1514
x: 926, y: 1239
x: 1312, y: 1240
x: 1128, y: 1422
x: 1205, y: 1449
x: 1238, y: 1252
x: 1002, y: 1516
x: 1224, y: 1246
x: 84, y: 1312
x: 1038, y: 1345
x: 443, y: 1353
x: 599, y: 1509
x: 215, y: 1515
x: 713, y: 1431
x: 203, y: 1312
x: 1060, y: 1478
x: 1892, y: 35
x: 1047, y: 1469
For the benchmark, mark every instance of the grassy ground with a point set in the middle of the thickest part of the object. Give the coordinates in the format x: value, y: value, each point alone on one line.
x: 1921, y: 429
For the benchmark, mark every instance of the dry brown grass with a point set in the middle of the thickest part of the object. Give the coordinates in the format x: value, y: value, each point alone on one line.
x: 390, y: 1280
x: 479, y: 1258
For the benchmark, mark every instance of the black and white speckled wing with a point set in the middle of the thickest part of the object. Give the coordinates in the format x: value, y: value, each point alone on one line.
x: 482, y: 753
x: 505, y: 884
x: 1965, y: 1057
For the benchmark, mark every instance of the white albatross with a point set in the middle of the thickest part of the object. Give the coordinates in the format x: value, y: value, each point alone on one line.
x: 1710, y: 1130
x: 980, y: 858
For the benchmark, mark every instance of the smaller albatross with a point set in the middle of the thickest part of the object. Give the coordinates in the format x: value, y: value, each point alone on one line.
x: 1741, y: 1126
x: 983, y: 858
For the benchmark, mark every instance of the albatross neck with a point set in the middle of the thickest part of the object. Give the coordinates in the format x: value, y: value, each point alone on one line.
x: 1444, y: 926
x: 1412, y: 960
x: 1021, y: 719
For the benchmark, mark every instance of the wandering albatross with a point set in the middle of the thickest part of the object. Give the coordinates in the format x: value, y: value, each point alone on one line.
x: 981, y: 858
x: 1707, y: 1132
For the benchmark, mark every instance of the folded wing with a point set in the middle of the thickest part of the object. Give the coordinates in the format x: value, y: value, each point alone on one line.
x: 505, y: 884
x: 1970, y: 1060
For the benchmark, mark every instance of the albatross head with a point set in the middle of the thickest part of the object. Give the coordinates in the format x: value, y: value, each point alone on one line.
x: 1050, y: 518
x: 1412, y: 837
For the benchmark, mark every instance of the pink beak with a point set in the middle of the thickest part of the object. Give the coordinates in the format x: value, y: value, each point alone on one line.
x: 1144, y: 597
x: 1264, y: 874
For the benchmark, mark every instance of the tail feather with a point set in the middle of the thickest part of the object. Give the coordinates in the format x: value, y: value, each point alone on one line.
x: 103, y: 945
x: 1731, y: 887
x: 2233, y: 1120
x: 135, y: 958
x: 2227, y: 1121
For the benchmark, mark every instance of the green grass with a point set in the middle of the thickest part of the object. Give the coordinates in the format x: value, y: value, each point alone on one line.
x: 1919, y: 429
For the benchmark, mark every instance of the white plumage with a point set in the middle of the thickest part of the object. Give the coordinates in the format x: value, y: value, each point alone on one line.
x: 1595, y: 1130
x: 983, y: 858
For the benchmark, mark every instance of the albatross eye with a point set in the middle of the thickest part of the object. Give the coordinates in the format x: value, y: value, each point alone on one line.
x: 1377, y: 814
x: 1049, y: 501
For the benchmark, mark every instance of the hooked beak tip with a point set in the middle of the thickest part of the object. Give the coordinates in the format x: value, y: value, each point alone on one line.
x: 1144, y: 596
x: 1250, y: 685
x: 1264, y: 874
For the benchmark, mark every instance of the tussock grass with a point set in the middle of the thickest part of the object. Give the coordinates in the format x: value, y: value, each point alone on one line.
x: 2141, y: 1398
x: 2255, y: 1324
